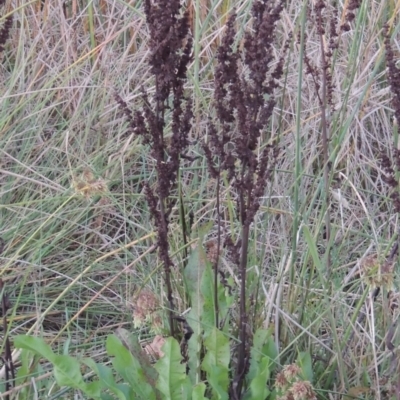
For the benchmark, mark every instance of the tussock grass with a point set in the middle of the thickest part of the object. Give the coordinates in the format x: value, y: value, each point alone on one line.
x: 73, y: 214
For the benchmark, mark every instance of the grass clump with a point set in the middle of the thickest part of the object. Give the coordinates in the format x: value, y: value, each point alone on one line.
x: 209, y: 187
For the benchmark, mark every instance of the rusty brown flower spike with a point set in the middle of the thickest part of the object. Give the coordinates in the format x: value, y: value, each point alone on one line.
x: 5, y: 29
x: 393, y: 73
x: 390, y: 168
x: 244, y: 104
x: 5, y: 305
x: 170, y: 48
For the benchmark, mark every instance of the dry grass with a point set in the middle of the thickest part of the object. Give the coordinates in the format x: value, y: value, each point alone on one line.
x: 75, y: 221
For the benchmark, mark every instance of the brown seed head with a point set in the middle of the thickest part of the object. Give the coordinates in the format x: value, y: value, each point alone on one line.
x: 376, y: 272
x: 291, y: 372
x: 303, y: 390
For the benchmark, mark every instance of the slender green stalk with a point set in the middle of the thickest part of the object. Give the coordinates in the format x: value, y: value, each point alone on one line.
x: 92, y: 29
x: 298, y: 161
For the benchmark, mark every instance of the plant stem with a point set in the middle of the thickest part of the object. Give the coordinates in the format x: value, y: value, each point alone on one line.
x: 216, y: 306
x: 241, y: 365
x: 325, y: 150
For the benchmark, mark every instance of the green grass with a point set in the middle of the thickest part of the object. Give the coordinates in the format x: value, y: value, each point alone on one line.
x: 73, y: 264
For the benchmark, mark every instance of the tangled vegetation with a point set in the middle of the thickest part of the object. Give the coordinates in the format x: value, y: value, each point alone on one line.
x: 199, y: 200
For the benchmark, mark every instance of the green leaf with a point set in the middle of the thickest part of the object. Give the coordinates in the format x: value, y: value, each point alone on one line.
x: 24, y: 369
x: 66, y: 369
x: 198, y: 392
x: 129, y: 368
x: 269, y: 349
x: 207, y: 290
x: 258, y: 384
x: 216, y: 361
x: 45, y: 384
x: 67, y: 372
x: 216, y: 378
x: 131, y: 342
x: 93, y: 389
x: 259, y: 340
x: 172, y: 381
x: 313, y: 248
x: 193, y: 275
x: 217, y: 345
x: 36, y: 345
x: 305, y: 363
x: 258, y: 387
x: 194, y: 348
x: 106, y: 377
x: 106, y: 396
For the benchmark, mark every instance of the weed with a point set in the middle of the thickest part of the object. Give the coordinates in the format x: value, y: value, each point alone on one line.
x: 269, y: 238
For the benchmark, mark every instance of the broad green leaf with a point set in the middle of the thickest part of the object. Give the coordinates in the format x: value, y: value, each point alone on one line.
x: 217, y: 380
x: 129, y: 368
x: 126, y: 390
x: 93, y: 389
x: 263, y: 348
x: 106, y: 396
x: 67, y: 372
x: 270, y: 350
x: 198, y: 392
x: 106, y: 376
x: 131, y: 342
x: 45, y: 384
x: 36, y: 345
x: 258, y: 385
x: 225, y: 301
x: 24, y: 369
x: 216, y: 360
x: 207, y: 290
x: 217, y: 345
x: 193, y: 275
x: 66, y: 369
x: 305, y: 363
x: 259, y: 340
x: 194, y: 348
x: 172, y: 381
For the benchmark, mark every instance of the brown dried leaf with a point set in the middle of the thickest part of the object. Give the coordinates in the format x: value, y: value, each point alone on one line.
x: 154, y: 348
x: 145, y: 306
x: 212, y: 251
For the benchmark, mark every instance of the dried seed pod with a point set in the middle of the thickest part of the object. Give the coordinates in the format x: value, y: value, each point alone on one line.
x: 376, y: 272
